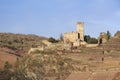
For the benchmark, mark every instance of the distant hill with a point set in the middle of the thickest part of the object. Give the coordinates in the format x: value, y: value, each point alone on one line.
x: 20, y: 41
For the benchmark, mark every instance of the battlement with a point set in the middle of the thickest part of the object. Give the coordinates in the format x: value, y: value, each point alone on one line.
x: 70, y: 32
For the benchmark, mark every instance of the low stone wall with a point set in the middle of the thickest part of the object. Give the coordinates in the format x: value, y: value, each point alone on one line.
x: 91, y: 45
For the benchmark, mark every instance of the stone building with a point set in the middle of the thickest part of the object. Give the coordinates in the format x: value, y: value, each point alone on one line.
x: 76, y: 38
x: 102, y: 38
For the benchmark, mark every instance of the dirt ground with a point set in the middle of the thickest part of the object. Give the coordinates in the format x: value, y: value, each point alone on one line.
x: 6, y: 56
x: 94, y: 64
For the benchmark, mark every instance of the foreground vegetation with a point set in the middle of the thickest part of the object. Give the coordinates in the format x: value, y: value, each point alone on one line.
x: 39, y: 66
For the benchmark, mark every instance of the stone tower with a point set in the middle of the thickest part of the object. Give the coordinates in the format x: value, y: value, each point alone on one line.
x: 80, y: 30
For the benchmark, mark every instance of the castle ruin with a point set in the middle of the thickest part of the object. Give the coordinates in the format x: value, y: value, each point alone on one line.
x: 76, y: 38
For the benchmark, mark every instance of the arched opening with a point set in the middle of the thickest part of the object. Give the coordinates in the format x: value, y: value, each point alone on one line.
x: 100, y: 41
x: 78, y: 35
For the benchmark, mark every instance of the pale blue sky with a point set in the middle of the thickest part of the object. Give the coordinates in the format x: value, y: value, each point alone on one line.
x: 53, y: 17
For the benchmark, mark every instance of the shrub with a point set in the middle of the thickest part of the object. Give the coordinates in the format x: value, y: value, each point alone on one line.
x: 93, y: 41
x: 51, y: 39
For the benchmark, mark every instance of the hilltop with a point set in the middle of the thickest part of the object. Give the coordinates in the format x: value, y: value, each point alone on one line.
x: 20, y: 41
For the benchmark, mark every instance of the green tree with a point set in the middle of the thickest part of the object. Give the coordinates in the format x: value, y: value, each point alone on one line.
x: 87, y: 38
x: 108, y: 35
x: 92, y: 41
x: 53, y: 40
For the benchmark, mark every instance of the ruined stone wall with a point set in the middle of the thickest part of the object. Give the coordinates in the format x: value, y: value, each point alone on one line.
x: 102, y: 38
x: 80, y: 29
x: 70, y: 37
x: 75, y: 37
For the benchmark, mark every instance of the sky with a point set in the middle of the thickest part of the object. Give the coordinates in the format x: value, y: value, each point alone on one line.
x: 54, y: 17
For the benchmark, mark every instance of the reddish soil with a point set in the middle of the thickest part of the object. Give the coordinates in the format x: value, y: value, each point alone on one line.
x: 6, y: 55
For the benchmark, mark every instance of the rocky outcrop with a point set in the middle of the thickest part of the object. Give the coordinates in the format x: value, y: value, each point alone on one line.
x: 117, y: 35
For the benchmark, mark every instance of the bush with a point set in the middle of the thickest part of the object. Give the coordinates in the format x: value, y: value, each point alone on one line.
x: 51, y: 39
x: 90, y: 40
x: 6, y: 73
x: 93, y: 41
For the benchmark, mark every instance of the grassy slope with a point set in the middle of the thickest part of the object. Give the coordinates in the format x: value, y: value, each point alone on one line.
x: 13, y: 45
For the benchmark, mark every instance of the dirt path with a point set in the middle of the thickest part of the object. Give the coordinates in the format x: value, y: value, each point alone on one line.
x: 101, y: 75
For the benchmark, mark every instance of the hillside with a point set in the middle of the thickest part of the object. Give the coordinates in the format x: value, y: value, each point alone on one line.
x: 16, y: 45
x: 94, y: 63
x: 20, y: 41
x: 113, y: 43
